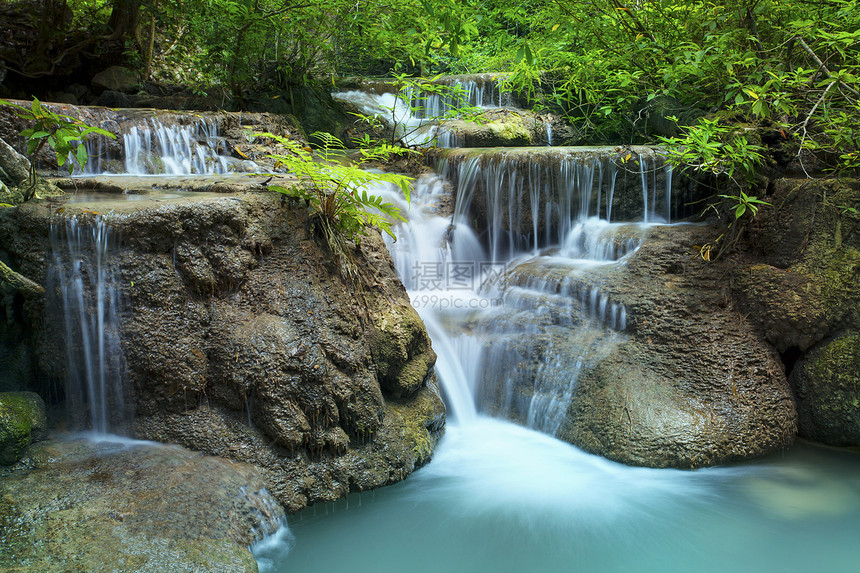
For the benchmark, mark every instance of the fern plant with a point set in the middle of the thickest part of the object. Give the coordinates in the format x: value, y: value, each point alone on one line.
x: 339, y: 192
x: 62, y: 133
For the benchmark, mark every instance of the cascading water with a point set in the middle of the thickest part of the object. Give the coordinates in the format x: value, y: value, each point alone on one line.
x: 153, y: 147
x: 513, y: 326
x: 482, y: 90
x: 412, y: 115
x: 501, y: 497
x: 394, y: 111
x: 84, y: 277
x: 529, y: 201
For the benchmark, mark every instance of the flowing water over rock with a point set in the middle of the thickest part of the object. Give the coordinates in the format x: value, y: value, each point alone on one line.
x: 514, y: 288
x: 475, y: 90
x: 427, y: 119
x: 83, y: 279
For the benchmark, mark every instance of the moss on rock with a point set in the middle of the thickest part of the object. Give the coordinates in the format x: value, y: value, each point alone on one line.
x: 401, y: 349
x: 22, y: 420
x: 826, y: 384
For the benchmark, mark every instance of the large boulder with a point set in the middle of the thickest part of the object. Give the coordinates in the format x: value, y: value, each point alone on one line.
x: 116, y: 78
x: 804, y: 297
x: 103, y: 506
x: 22, y: 421
x: 691, y: 383
x: 826, y: 383
x: 242, y: 339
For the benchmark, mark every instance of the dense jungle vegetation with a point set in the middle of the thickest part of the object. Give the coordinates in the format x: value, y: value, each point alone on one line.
x: 790, y: 65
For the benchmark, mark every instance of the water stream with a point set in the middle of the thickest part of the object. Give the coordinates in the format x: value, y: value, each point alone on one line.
x: 84, y: 276
x: 508, y: 284
x: 514, y: 317
x: 153, y: 147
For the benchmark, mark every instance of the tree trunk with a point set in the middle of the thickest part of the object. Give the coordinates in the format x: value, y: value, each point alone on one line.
x: 124, y: 19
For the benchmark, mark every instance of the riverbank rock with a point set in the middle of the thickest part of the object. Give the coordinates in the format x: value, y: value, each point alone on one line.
x: 826, y: 383
x: 116, y: 78
x: 691, y: 383
x: 241, y: 339
x: 22, y: 421
x: 76, y: 505
x: 14, y: 167
x: 804, y: 297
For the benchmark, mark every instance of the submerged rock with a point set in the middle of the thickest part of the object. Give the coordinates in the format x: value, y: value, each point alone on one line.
x: 119, y: 506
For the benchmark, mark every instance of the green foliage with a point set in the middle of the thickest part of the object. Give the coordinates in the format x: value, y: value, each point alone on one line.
x: 720, y: 152
x: 743, y: 203
x: 794, y: 65
x: 61, y: 133
x: 338, y: 191
x: 714, y: 149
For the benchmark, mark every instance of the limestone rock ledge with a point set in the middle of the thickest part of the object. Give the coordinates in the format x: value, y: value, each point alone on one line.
x: 242, y: 340
x: 70, y: 506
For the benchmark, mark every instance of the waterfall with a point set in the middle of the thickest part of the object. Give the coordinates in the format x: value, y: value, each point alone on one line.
x: 526, y: 200
x: 393, y: 111
x: 481, y: 90
x: 152, y: 147
x: 84, y: 277
x: 509, y: 284
x: 410, y: 114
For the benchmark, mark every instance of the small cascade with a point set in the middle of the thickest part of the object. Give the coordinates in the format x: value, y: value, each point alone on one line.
x: 152, y: 147
x: 599, y: 240
x: 394, y: 112
x: 513, y: 284
x: 84, y: 276
x: 527, y: 200
x: 418, y: 118
x: 481, y: 90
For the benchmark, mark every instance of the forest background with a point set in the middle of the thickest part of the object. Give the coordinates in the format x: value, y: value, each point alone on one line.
x: 790, y: 66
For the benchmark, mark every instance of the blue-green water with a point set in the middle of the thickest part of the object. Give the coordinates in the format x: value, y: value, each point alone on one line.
x: 502, y: 498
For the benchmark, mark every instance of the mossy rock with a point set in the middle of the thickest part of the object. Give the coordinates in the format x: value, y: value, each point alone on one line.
x: 652, y: 116
x: 809, y: 288
x: 22, y: 420
x: 826, y: 384
x: 401, y: 349
x: 506, y: 129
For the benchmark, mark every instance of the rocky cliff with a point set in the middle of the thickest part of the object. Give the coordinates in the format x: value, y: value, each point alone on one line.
x: 242, y: 340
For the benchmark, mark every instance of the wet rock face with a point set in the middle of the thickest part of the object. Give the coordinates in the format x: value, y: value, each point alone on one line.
x: 805, y: 299
x: 691, y: 384
x: 70, y: 506
x: 22, y: 420
x: 827, y: 385
x: 242, y: 340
